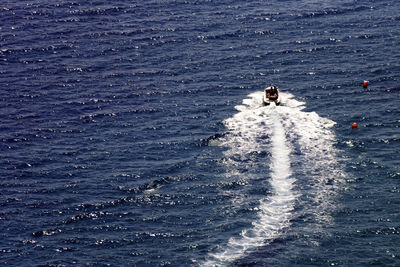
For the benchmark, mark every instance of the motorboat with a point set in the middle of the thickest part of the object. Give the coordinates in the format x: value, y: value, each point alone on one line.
x: 271, y: 94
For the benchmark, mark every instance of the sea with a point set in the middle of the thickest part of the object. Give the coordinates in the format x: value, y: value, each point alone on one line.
x: 133, y: 133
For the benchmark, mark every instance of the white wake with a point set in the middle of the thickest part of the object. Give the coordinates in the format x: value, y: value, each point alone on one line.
x: 287, y: 127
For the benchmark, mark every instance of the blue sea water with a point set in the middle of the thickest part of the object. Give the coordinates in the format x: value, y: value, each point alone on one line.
x: 132, y: 133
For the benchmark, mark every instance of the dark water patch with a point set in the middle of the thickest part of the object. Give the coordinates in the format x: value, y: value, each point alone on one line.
x: 88, y: 216
x: 46, y: 233
x: 208, y: 141
x: 334, y: 12
x: 395, y: 89
x: 156, y: 184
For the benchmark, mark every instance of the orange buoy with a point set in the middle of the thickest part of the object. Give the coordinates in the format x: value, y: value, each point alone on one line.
x: 365, y: 84
x: 354, y: 125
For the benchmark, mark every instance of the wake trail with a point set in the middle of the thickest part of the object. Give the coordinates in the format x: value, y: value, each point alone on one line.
x: 292, y: 137
x: 275, y: 211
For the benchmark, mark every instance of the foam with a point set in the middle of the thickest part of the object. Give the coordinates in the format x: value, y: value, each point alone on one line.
x: 287, y: 126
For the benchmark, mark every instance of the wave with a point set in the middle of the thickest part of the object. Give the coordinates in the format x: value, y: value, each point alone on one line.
x: 292, y: 137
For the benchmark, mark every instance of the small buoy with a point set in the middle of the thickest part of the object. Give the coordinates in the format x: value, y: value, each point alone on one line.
x: 354, y: 125
x: 365, y: 84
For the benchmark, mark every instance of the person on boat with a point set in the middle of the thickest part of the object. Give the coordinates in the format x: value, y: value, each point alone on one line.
x: 271, y: 93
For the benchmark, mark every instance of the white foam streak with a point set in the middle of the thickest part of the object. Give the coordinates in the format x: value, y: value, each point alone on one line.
x: 287, y: 127
x: 274, y: 212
